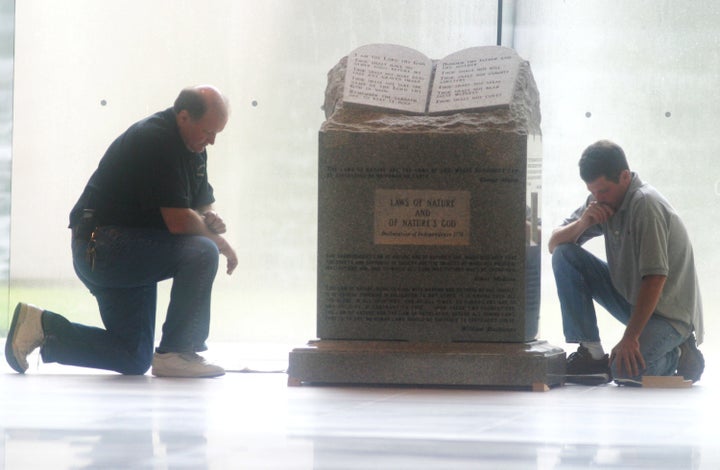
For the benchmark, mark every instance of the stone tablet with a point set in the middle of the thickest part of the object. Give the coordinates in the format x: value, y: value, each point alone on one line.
x: 474, y: 78
x: 387, y: 76
x: 398, y: 78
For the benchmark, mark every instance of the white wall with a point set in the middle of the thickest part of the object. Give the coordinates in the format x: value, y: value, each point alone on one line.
x: 626, y: 62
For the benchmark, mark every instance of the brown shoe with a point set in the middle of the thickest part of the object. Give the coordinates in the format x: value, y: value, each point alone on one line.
x: 691, y: 363
x: 25, y: 335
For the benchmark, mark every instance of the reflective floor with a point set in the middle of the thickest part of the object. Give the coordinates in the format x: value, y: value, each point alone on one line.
x: 57, y: 417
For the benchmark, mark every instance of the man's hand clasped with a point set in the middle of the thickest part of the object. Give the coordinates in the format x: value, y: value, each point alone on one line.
x: 214, y: 222
x: 598, y: 212
x: 216, y: 225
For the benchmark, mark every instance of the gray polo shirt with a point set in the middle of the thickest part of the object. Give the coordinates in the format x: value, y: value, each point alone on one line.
x: 644, y: 237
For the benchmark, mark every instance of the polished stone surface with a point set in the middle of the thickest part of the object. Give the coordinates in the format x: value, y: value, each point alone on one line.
x: 61, y: 418
x: 425, y: 237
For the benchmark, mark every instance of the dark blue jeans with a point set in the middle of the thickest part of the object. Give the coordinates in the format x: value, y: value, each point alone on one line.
x: 582, y: 278
x: 129, y: 262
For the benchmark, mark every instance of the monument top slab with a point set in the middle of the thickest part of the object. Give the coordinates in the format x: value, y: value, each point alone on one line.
x: 386, y: 87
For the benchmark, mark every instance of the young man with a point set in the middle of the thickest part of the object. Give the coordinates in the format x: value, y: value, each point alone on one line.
x: 145, y: 216
x: 648, y: 282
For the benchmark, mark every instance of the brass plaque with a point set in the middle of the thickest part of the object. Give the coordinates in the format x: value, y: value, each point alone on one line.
x: 422, y: 217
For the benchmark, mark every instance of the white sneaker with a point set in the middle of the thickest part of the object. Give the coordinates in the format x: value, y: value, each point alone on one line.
x: 25, y: 335
x: 183, y: 365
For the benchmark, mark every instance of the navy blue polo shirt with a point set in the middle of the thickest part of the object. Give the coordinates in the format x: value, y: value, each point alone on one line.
x: 147, y: 167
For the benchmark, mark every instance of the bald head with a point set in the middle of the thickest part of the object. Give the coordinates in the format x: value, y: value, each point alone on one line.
x: 200, y: 99
x: 201, y: 113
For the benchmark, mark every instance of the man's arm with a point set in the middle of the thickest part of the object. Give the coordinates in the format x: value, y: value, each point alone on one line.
x: 627, y: 351
x: 570, y: 233
x: 182, y: 221
x: 567, y: 234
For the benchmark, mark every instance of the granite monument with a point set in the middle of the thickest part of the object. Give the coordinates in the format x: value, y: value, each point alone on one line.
x: 428, y: 223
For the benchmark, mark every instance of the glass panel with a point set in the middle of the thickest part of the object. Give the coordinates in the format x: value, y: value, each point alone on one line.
x: 642, y: 73
x: 7, y: 26
x: 86, y: 70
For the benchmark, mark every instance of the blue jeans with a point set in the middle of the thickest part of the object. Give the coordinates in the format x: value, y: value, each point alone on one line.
x: 582, y: 278
x: 129, y: 262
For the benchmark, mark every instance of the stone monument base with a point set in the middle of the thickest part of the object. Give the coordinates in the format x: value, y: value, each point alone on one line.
x: 535, y: 365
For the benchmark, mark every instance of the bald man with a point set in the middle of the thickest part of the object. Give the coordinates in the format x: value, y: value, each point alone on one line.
x: 145, y: 215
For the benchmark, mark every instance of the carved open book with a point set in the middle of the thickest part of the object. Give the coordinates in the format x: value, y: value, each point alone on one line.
x: 403, y: 79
